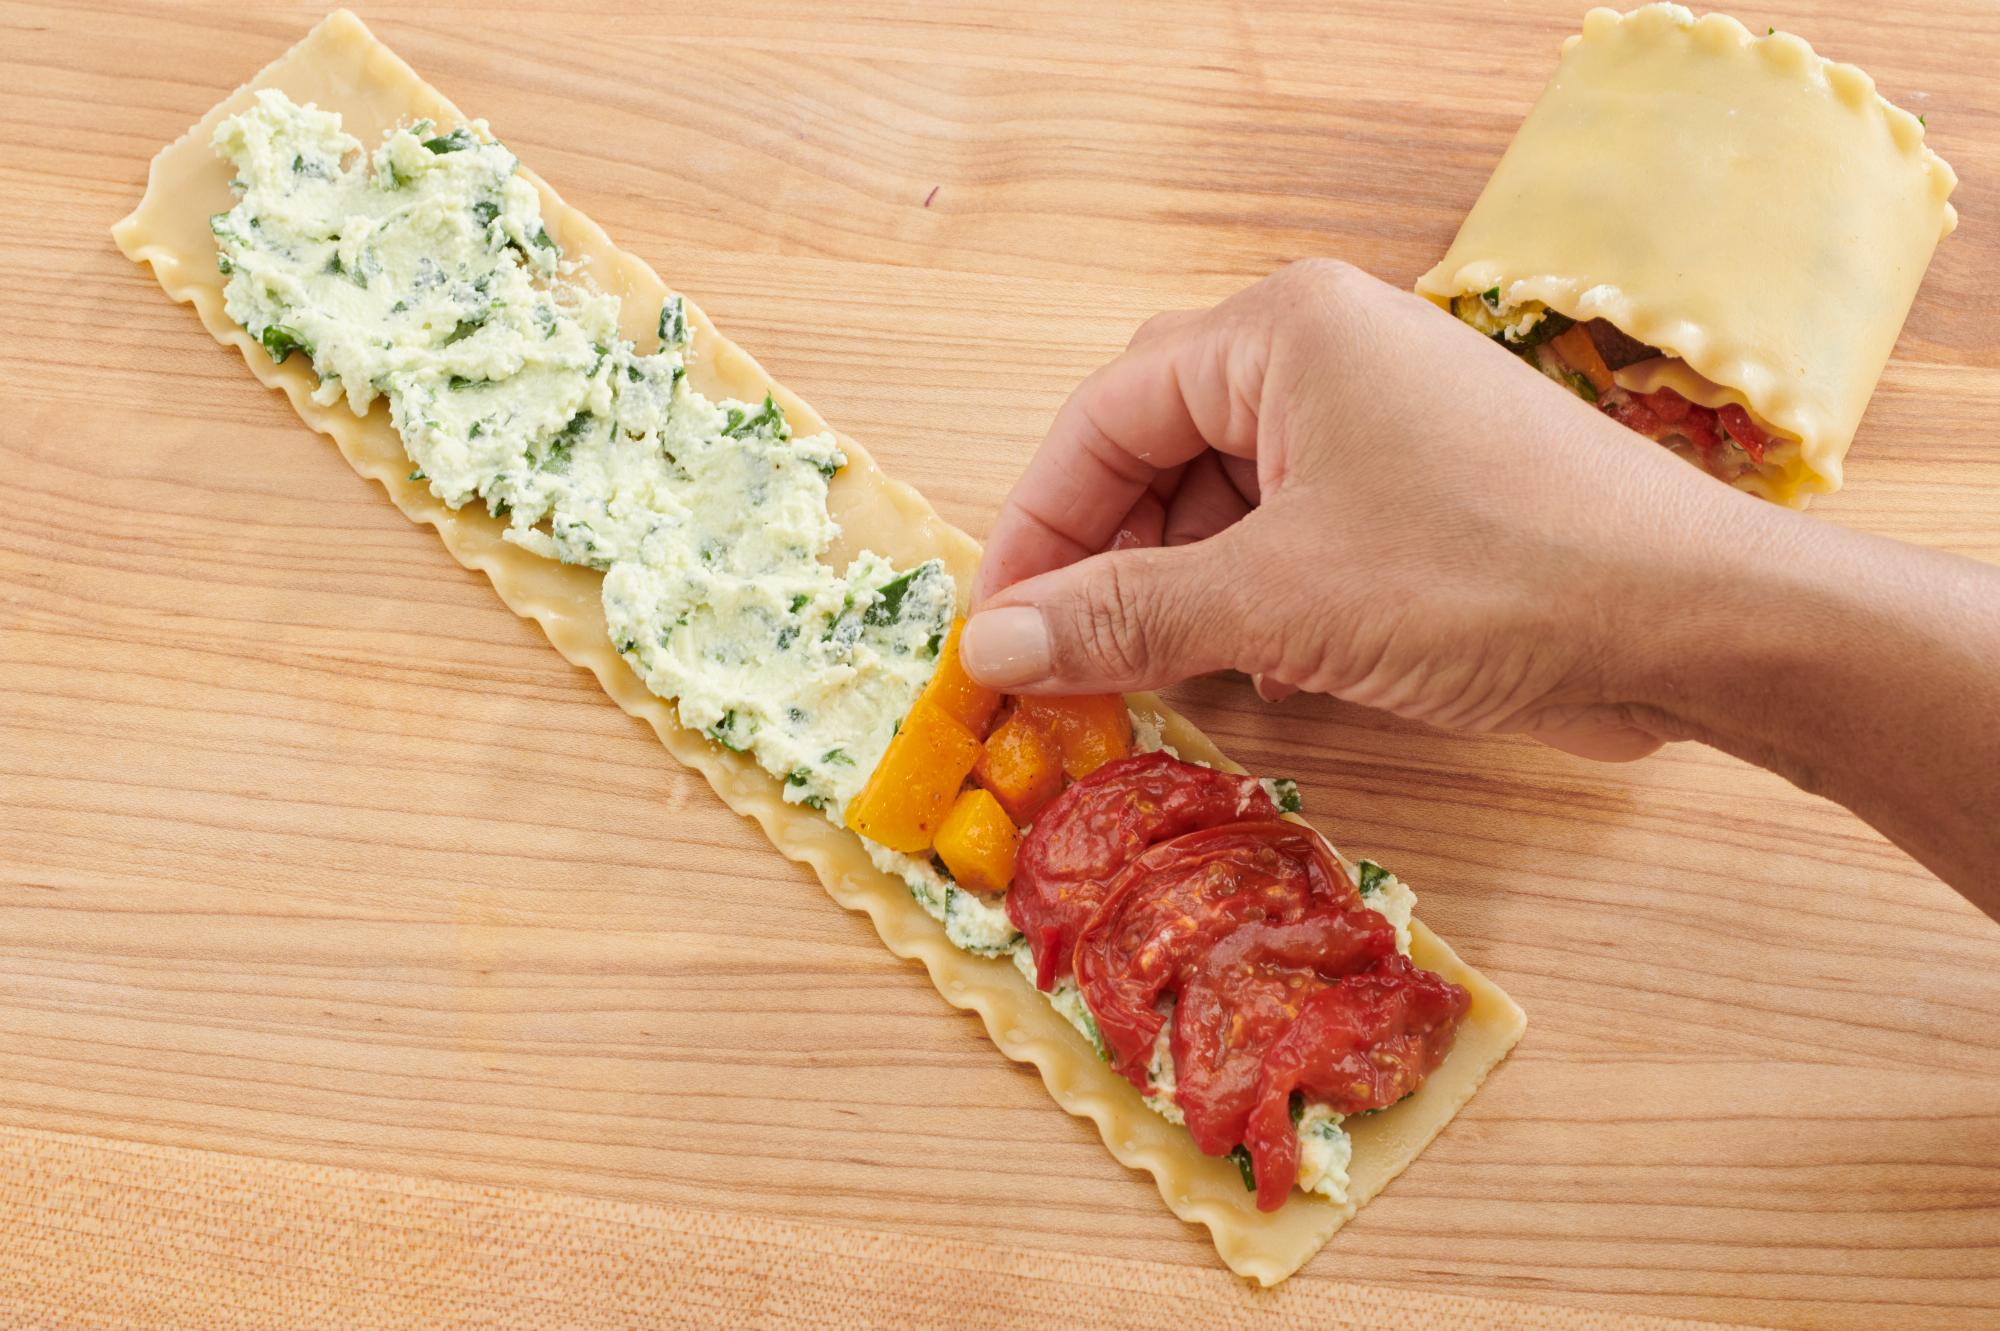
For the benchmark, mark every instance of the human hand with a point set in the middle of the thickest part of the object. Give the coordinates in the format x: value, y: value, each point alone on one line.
x: 1331, y: 485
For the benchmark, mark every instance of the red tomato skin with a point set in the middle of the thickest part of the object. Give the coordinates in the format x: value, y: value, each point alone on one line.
x: 1362, y: 1043
x: 1169, y: 906
x: 1084, y: 837
x: 1154, y: 878
x: 1664, y: 413
x: 1668, y: 405
x: 1249, y: 990
x: 1746, y: 432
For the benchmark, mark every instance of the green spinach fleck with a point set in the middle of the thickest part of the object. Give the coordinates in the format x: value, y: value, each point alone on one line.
x: 724, y: 732
x: 339, y: 269
x: 1095, y: 1036
x: 673, y: 323
x: 1288, y: 795
x: 888, y: 607
x: 456, y: 141
x: 769, y: 418
x: 1549, y: 325
x: 1241, y: 1156
x: 281, y: 341
x: 556, y: 456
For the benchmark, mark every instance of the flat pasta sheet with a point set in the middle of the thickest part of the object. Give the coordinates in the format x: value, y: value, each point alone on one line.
x: 342, y: 67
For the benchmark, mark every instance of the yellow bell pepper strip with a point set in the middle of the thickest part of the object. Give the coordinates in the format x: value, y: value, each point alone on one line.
x: 1090, y: 731
x: 1581, y: 355
x: 977, y: 842
x: 915, y: 784
x: 1022, y: 766
x: 954, y: 690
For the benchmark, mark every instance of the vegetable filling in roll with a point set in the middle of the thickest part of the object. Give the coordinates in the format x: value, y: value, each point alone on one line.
x: 1619, y: 375
x: 1711, y: 233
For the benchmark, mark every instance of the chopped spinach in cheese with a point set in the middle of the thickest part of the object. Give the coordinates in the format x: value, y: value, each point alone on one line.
x: 1389, y: 897
x: 972, y: 922
x: 1325, y: 1151
x: 1516, y: 325
x: 422, y: 272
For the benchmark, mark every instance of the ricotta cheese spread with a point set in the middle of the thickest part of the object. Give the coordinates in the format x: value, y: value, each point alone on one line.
x: 422, y: 273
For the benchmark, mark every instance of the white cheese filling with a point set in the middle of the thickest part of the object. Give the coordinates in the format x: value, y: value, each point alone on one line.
x: 422, y: 272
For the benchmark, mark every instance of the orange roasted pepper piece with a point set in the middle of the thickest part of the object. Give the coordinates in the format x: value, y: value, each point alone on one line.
x: 1576, y: 348
x: 954, y: 690
x: 977, y: 842
x: 1022, y: 766
x: 914, y: 785
x: 1090, y: 730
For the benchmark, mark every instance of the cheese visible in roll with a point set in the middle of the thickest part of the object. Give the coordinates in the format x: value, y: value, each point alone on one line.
x: 1711, y: 234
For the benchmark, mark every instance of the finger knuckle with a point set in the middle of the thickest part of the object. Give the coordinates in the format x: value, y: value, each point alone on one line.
x: 1152, y: 327
x: 1315, y: 296
x: 1320, y: 274
x: 1110, y: 630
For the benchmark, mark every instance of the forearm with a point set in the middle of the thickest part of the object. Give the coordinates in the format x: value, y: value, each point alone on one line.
x: 1859, y: 668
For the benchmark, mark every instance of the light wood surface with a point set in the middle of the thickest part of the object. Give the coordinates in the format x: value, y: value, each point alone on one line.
x: 386, y: 1250
x: 312, y: 854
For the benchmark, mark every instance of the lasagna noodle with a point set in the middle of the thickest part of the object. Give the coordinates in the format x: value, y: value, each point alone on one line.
x: 1733, y: 200
x: 343, y: 68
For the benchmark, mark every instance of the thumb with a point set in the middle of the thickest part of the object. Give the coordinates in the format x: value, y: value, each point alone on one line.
x: 1115, y: 622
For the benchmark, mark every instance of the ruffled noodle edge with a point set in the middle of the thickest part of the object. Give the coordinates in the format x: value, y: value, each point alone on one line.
x: 341, y: 65
x: 1819, y: 459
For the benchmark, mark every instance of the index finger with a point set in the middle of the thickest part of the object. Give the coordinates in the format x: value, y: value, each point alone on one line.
x: 1154, y: 408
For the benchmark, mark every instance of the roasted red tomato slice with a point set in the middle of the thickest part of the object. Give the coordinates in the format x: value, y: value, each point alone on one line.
x: 1174, y: 902
x: 1081, y: 841
x: 1249, y: 989
x: 1363, y: 1042
x: 1746, y: 432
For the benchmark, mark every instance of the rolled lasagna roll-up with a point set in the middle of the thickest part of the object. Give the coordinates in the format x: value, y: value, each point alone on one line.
x: 1712, y: 235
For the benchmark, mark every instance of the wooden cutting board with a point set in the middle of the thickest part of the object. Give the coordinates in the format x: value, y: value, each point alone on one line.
x: 361, y: 965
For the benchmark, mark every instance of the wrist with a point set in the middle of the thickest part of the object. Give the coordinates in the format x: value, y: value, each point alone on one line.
x: 1721, y: 628
x: 1856, y: 667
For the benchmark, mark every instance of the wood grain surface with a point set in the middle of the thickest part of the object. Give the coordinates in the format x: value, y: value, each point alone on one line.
x: 313, y: 855
x: 386, y: 1250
